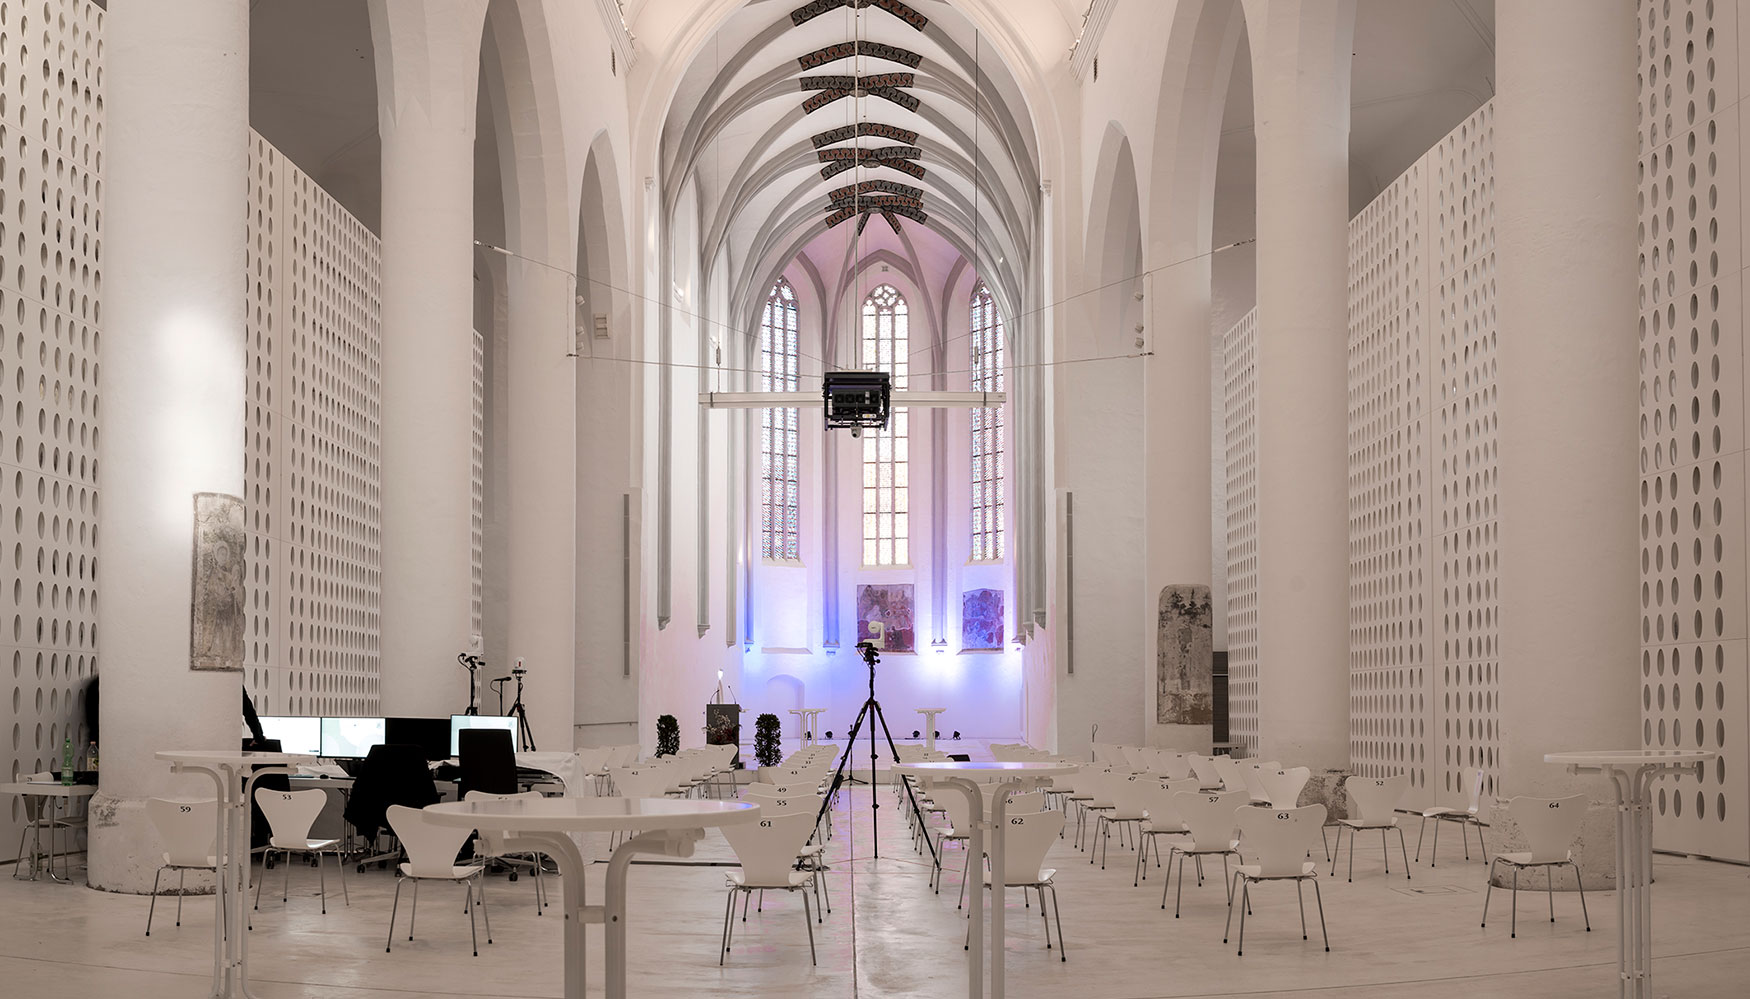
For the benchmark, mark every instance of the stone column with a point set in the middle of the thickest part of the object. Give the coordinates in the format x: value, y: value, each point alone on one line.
x: 428, y: 59
x: 1300, y: 61
x: 1566, y: 291
x: 172, y: 385
x: 542, y: 518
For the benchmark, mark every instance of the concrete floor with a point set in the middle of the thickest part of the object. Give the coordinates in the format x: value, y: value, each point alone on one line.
x: 898, y: 938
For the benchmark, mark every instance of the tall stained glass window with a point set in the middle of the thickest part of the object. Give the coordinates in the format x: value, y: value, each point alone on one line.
x: 886, y: 465
x: 780, y: 498
x: 987, y: 429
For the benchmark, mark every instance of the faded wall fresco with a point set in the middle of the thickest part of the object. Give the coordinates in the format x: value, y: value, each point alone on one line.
x: 1184, y: 658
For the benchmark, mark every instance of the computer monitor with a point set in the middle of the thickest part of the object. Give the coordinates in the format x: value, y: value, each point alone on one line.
x: 295, y: 734
x: 351, y: 738
x: 460, y: 722
x: 431, y: 735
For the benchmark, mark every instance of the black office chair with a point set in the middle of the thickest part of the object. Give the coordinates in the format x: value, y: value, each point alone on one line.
x: 488, y: 759
x: 390, y: 775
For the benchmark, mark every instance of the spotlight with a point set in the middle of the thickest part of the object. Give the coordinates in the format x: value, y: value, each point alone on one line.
x: 829, y: 733
x: 857, y: 399
x: 914, y: 733
x: 956, y: 733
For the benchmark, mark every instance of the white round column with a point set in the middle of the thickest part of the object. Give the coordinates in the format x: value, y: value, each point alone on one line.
x: 172, y: 385
x: 1300, y: 61
x: 1567, y: 297
x: 428, y: 60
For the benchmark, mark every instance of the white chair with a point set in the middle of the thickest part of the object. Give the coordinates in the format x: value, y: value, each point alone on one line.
x: 959, y: 822
x: 1126, y: 811
x: 490, y: 845
x: 1375, y: 800
x: 1278, y: 839
x: 1282, y: 787
x: 1550, y: 825
x: 1094, y: 794
x: 1228, y: 769
x: 290, y: 814
x: 1253, y: 776
x: 1175, y: 766
x: 1027, y: 838
x: 431, y: 856
x: 1163, y: 819
x: 187, y: 829
x: 1203, y: 768
x: 40, y: 814
x: 766, y: 850
x: 1475, y: 815
x: 774, y: 799
x: 1210, y: 819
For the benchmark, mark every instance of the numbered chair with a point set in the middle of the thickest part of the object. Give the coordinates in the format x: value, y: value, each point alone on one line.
x: 1162, y: 819
x: 1126, y: 811
x: 1278, y: 840
x: 431, y: 856
x: 290, y: 814
x: 766, y: 850
x: 1210, y: 820
x: 187, y: 829
x: 1282, y: 787
x: 775, y: 799
x: 1465, y: 817
x: 1375, y: 800
x: 1550, y: 825
x: 1203, y: 768
x: 1026, y: 839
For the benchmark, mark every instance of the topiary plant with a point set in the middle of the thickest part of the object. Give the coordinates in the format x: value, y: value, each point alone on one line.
x: 766, y: 749
x: 668, y: 735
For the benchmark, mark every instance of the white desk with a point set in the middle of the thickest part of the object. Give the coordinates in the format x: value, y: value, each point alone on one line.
x: 1631, y: 773
x: 53, y: 794
x: 666, y: 826
x: 966, y: 778
x: 234, y: 778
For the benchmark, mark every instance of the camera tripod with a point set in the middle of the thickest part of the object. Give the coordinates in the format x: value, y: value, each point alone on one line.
x: 524, y: 732
x: 472, y: 664
x: 871, y: 709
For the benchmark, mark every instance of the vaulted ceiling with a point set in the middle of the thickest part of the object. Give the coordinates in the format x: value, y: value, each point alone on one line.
x: 897, y: 119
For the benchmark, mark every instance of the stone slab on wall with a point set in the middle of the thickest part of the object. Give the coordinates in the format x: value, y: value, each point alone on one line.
x: 1184, y: 657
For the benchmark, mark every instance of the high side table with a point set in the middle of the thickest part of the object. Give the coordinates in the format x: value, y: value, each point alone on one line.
x: 966, y: 777
x: 234, y: 776
x: 1631, y: 773
x: 929, y: 725
x: 50, y: 793
x: 665, y: 826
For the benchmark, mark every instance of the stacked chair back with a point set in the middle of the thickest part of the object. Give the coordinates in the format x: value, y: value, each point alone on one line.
x: 774, y: 800
x: 186, y: 827
x: 1210, y: 817
x: 1127, y: 795
x: 641, y: 782
x: 1100, y: 785
x: 1227, y: 769
x: 431, y: 849
x: 767, y: 849
x: 291, y: 814
x: 1026, y: 839
x: 1277, y: 839
x: 1158, y: 801
x: 1032, y: 801
x: 1176, y: 766
x: 1375, y: 799
x: 958, y: 811
x: 1203, y: 768
x: 1135, y: 757
x: 594, y: 760
x: 1282, y: 787
x: 1550, y: 825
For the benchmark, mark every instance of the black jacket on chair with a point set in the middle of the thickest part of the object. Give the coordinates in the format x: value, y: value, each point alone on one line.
x: 391, y: 775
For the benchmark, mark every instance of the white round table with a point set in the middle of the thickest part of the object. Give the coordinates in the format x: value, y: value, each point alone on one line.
x: 234, y: 778
x: 1632, y: 773
x: 666, y: 826
x: 966, y: 778
x: 52, y: 792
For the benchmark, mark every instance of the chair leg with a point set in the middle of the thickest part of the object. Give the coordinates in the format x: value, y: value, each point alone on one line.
x: 1385, y: 849
x: 1300, y: 896
x: 1179, y: 899
x: 1321, y: 900
x: 1326, y: 841
x: 1352, y: 834
x: 1582, y: 886
x: 154, y: 903
x: 1404, y: 852
x: 1227, y: 925
x: 1062, y: 951
x: 1480, y: 844
x: 1224, y: 877
x: 723, y: 941
x: 484, y: 914
x: 286, y: 884
x: 1329, y: 855
x: 322, y: 879
x: 730, y: 943
x: 965, y: 872
x: 808, y: 918
x: 413, y: 914
x: 340, y: 865
x: 1245, y: 903
x: 1423, y: 831
x: 473, y: 934
x: 1167, y: 879
x: 1136, y: 878
x: 1549, y: 890
x: 1488, y: 890
x: 390, y: 943
x: 1043, y: 915
x: 1515, y: 930
x: 264, y: 855
x: 181, y: 878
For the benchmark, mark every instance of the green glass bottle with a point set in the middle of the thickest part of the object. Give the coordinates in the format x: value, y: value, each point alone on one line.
x: 67, y: 761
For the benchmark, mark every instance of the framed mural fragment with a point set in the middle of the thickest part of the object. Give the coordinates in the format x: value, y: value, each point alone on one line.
x: 884, y: 616
x: 981, y: 621
x: 216, y: 618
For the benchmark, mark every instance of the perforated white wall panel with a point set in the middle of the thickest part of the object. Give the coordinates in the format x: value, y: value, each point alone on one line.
x: 1388, y: 482
x: 1693, y: 595
x: 1240, y: 351
x: 51, y: 247
x: 313, y: 471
